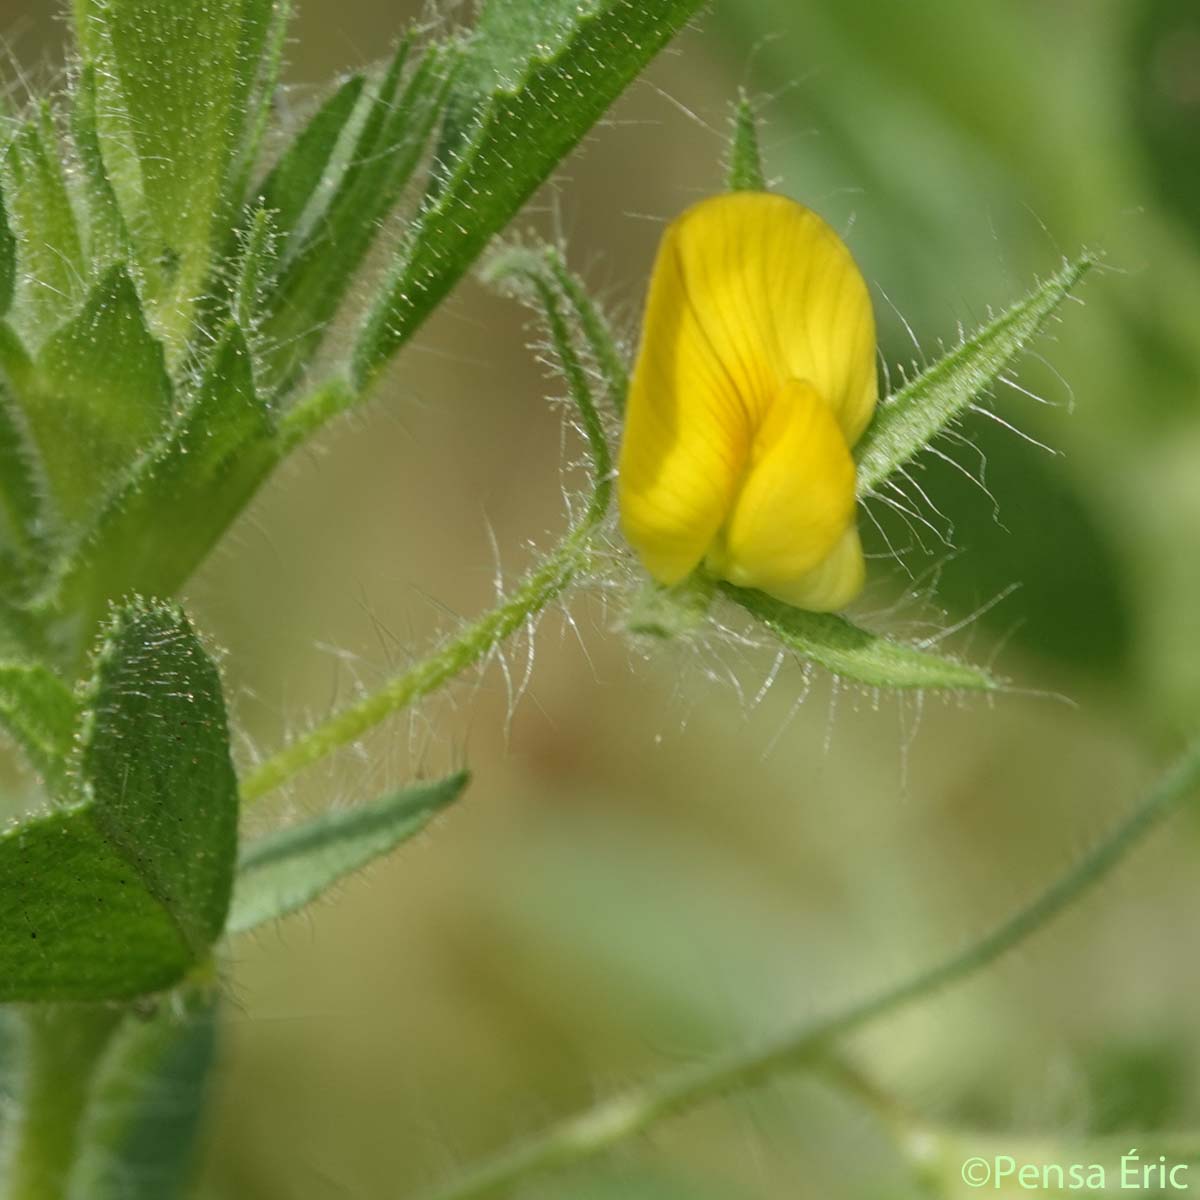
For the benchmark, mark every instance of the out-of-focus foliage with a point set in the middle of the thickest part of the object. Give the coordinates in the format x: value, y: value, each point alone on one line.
x: 659, y: 865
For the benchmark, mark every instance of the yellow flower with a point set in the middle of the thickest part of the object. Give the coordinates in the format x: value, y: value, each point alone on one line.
x: 756, y: 376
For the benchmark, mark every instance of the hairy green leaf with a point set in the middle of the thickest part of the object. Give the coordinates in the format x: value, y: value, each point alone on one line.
x: 155, y: 761
x: 283, y: 872
x: 138, y: 1139
x: 296, y: 179
x: 177, y: 81
x: 849, y: 652
x: 179, y: 496
x: 21, y: 488
x: 107, y: 235
x: 122, y: 893
x: 259, y: 63
x: 385, y: 154
x: 508, y: 34
x: 39, y: 712
x: 8, y: 258
x: 523, y: 127
x: 99, y: 394
x: 907, y: 422
x: 49, y: 250
x: 75, y: 922
x: 254, y: 264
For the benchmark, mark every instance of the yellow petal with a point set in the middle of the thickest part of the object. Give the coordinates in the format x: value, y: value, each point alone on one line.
x: 750, y: 292
x: 795, y: 501
x: 833, y: 583
x: 686, y: 433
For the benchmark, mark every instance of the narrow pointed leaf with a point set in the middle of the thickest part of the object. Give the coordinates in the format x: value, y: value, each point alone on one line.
x: 254, y: 266
x: 124, y: 892
x: 49, y: 251
x: 521, y: 130
x: 922, y: 409
x: 8, y: 258
x: 508, y: 34
x: 282, y: 873
x: 259, y: 66
x: 99, y: 395
x: 852, y: 653
x: 389, y: 146
x: 293, y: 184
x: 107, y: 234
x: 21, y: 487
x: 177, y: 84
x: 180, y: 496
x: 38, y: 711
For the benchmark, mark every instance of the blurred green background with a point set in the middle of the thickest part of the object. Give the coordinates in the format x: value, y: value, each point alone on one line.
x: 653, y: 860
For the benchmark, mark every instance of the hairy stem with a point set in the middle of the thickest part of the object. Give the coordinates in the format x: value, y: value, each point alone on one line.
x: 466, y: 649
x: 613, y: 1121
x: 304, y: 418
x: 59, y: 1049
x: 472, y: 645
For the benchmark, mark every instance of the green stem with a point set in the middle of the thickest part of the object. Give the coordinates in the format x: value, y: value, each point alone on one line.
x: 613, y: 1121
x: 60, y: 1047
x: 468, y: 648
x: 541, y: 587
x: 305, y: 417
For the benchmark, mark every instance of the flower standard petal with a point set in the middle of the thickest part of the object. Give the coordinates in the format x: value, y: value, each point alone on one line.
x: 686, y: 432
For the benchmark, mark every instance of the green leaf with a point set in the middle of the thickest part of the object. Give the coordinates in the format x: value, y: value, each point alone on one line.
x: 21, y: 486
x: 294, y: 182
x: 123, y: 893
x: 386, y: 152
x: 282, y: 873
x: 99, y: 394
x: 908, y: 421
x: 849, y: 652
x: 39, y: 712
x: 254, y: 264
x: 745, y: 170
x: 179, y: 497
x: 177, y: 80
x: 75, y: 924
x: 107, y: 235
x: 8, y: 258
x: 49, y: 251
x: 260, y: 63
x: 523, y: 127
x: 139, y: 1135
x: 156, y: 763
x: 507, y: 36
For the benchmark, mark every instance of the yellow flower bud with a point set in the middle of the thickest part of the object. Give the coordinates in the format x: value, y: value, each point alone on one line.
x: 756, y: 375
